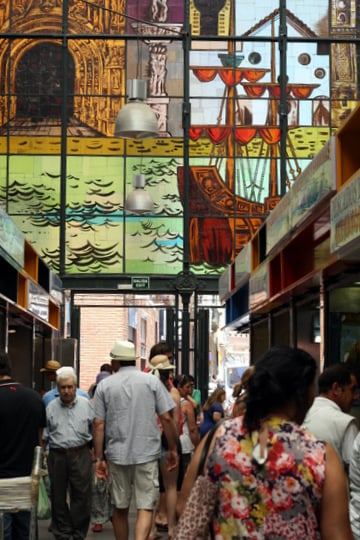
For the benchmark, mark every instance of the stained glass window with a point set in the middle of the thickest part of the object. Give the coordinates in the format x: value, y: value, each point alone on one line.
x: 246, y: 94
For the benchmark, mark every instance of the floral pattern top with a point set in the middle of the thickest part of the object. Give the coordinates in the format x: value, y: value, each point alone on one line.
x: 277, y: 500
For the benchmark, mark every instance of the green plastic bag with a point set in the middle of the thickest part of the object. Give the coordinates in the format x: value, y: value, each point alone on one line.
x: 44, y: 506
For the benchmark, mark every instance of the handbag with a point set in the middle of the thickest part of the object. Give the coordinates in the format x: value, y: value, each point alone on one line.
x: 43, y: 506
x: 195, y: 521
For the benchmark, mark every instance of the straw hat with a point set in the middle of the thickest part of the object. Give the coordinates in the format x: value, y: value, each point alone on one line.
x: 160, y: 362
x: 123, y: 350
x: 51, y: 366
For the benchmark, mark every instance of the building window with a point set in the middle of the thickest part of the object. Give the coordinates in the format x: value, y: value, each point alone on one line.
x: 132, y: 324
x: 143, y: 329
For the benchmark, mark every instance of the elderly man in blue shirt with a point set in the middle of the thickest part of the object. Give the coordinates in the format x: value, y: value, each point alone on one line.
x: 69, y: 430
x: 54, y: 392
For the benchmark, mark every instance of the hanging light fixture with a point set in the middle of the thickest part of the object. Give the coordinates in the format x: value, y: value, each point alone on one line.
x: 139, y: 201
x: 136, y: 120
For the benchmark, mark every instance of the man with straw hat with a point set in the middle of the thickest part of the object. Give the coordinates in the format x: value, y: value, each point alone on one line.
x: 50, y: 367
x: 49, y: 370
x: 126, y: 405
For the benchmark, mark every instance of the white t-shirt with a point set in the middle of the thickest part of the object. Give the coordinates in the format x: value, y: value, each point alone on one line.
x: 354, y: 476
x: 327, y: 422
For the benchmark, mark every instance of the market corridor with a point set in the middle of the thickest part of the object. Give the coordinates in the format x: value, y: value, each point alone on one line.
x: 106, y: 534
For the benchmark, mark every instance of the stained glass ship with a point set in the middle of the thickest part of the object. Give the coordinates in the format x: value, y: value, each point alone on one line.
x: 233, y: 218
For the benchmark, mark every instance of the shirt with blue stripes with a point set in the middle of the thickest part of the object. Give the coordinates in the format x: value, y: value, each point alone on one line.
x: 69, y: 426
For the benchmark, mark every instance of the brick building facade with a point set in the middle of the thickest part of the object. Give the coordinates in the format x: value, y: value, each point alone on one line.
x: 108, y: 319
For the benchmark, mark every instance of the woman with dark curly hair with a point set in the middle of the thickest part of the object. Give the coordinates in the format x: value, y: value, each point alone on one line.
x: 276, y: 481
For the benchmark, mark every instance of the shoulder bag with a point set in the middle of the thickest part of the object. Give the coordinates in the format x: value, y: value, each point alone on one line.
x: 195, y: 521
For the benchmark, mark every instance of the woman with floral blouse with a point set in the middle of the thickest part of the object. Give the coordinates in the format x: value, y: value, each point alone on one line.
x: 276, y: 481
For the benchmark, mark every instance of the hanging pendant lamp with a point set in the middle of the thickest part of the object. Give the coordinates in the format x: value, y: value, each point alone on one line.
x: 139, y: 201
x: 136, y: 120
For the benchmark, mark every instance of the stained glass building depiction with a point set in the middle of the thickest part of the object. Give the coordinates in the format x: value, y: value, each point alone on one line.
x: 245, y: 94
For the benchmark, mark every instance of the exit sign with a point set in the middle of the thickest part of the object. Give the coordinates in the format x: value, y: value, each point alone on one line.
x: 140, y: 283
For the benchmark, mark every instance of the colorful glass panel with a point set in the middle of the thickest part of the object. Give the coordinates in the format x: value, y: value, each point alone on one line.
x: 65, y: 178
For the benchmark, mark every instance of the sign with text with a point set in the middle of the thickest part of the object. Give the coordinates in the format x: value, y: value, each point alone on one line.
x: 242, y: 265
x: 140, y: 282
x: 345, y: 215
x: 11, y: 240
x: 259, y: 285
x: 277, y: 223
x: 38, y: 301
x: 314, y: 184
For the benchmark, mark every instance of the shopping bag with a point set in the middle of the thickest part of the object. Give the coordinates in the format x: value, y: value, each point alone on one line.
x: 195, y: 521
x: 44, y: 506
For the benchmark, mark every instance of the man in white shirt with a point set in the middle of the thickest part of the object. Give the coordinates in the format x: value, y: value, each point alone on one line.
x: 328, y: 418
x: 354, y: 477
x: 126, y: 408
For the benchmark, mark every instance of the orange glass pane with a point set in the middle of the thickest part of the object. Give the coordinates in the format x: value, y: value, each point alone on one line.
x: 254, y: 90
x: 243, y: 135
x: 254, y: 75
x: 230, y: 76
x: 303, y: 91
x: 204, y: 74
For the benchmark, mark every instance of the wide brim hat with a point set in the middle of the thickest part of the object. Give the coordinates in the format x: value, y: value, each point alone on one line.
x: 51, y: 366
x: 161, y: 363
x: 123, y: 350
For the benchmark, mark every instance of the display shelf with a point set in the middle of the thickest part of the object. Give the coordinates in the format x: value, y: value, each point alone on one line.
x: 22, y: 294
x: 258, y: 247
x: 298, y: 258
x: 238, y: 305
x: 43, y: 275
x: 347, y: 148
x: 276, y: 274
x: 31, y: 262
x: 54, y: 314
x: 8, y: 280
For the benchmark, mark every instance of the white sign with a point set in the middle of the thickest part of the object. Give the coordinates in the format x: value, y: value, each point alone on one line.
x: 345, y: 215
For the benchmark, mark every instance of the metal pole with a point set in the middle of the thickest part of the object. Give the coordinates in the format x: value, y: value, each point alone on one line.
x: 186, y: 128
x: 184, y: 281
x: 202, y: 357
x: 64, y: 122
x: 283, y: 99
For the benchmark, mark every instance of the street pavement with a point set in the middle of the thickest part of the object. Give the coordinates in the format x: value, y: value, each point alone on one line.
x: 106, y: 534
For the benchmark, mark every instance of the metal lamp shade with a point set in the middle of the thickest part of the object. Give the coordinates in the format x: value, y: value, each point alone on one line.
x: 139, y: 201
x: 136, y: 120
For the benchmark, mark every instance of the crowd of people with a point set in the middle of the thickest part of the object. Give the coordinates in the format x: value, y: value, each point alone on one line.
x: 285, y: 459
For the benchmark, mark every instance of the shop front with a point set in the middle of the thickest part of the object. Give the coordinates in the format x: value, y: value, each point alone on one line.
x: 31, y: 302
x: 297, y: 283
